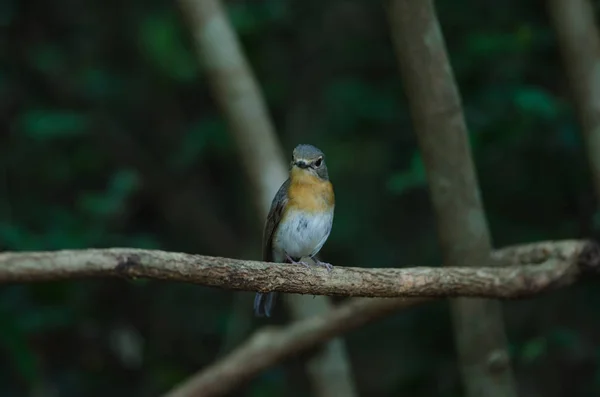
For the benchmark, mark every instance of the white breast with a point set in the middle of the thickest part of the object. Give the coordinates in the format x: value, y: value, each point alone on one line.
x: 301, y: 234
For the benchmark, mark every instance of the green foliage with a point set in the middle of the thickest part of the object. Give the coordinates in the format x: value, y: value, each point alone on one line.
x: 202, y: 137
x: 257, y: 18
x: 44, y: 125
x: 100, y: 85
x: 113, y: 138
x: 537, y: 103
x: 534, y: 350
x: 353, y: 102
x: 112, y: 201
x: 161, y: 38
x: 413, y: 177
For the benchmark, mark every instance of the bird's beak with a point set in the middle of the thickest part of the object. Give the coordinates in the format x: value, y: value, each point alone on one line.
x: 301, y: 163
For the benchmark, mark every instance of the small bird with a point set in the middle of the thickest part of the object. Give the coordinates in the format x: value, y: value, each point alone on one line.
x: 300, y: 218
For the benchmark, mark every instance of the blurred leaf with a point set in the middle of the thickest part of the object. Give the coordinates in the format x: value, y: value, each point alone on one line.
x: 14, y: 342
x: 44, y: 125
x: 44, y: 319
x: 209, y: 133
x: 534, y: 349
x: 537, y: 102
x: 356, y: 99
x: 161, y: 38
x: 243, y: 17
x: 570, y: 137
x: 105, y: 204
x: 414, y: 177
x: 277, y: 9
x: 97, y: 83
x: 47, y: 58
x: 124, y: 183
x: 248, y: 18
x: 490, y: 44
x: 524, y: 36
x: 12, y: 236
x: 564, y: 338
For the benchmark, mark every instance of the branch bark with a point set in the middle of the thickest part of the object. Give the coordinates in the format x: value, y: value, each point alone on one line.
x: 550, y: 265
x: 238, y: 94
x: 270, y: 345
x: 579, y: 42
x: 437, y: 115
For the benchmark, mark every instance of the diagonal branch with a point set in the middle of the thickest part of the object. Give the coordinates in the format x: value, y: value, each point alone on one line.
x: 548, y: 265
x: 271, y: 345
x: 235, y: 87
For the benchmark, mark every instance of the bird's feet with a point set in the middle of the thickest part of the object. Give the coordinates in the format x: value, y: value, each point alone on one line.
x: 327, y: 266
x: 292, y: 261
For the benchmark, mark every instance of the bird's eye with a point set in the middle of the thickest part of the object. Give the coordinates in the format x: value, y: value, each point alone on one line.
x: 319, y: 162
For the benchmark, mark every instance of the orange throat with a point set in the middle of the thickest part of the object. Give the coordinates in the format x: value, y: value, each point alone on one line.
x: 308, y: 192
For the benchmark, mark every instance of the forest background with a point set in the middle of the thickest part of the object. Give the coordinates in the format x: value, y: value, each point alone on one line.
x: 112, y: 138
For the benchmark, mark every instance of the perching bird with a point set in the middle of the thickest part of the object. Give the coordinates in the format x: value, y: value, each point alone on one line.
x: 300, y: 218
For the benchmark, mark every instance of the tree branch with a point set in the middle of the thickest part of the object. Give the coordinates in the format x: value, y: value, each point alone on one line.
x: 271, y: 345
x: 555, y: 266
x: 579, y: 42
x: 235, y: 87
x: 463, y: 232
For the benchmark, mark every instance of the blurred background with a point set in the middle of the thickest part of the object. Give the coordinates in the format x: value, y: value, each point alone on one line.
x: 110, y: 137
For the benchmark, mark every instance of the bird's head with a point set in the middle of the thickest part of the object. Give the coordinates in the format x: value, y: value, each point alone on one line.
x: 309, y: 160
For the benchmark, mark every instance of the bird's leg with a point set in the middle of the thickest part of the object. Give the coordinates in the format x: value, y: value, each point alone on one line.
x: 289, y: 258
x: 327, y: 266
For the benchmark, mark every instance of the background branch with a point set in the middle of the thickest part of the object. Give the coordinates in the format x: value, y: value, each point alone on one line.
x: 239, y: 96
x: 579, y: 43
x: 437, y: 116
x: 269, y: 345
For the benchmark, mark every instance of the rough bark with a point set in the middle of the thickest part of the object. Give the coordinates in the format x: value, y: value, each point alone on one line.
x: 238, y: 94
x: 462, y: 226
x: 579, y: 42
x: 545, y: 266
x: 270, y: 345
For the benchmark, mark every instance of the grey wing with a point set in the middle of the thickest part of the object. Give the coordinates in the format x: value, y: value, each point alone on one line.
x: 275, y: 213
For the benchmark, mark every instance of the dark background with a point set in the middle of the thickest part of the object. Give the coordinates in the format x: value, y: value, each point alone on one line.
x: 110, y: 137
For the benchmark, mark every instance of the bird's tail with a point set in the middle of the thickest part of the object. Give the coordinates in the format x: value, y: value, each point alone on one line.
x: 263, y: 303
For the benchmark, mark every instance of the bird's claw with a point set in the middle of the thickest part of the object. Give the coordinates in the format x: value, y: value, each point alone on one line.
x: 297, y: 262
x: 327, y: 266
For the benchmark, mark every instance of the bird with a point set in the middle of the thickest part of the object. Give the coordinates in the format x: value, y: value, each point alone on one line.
x: 300, y: 218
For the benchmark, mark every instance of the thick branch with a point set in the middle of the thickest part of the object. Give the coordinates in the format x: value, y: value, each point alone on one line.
x: 549, y: 265
x: 270, y: 346
x: 463, y: 232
